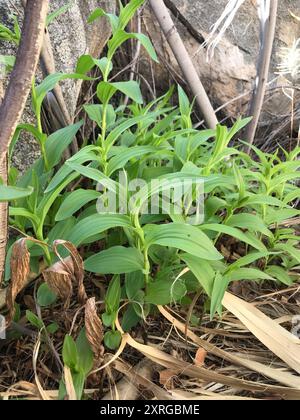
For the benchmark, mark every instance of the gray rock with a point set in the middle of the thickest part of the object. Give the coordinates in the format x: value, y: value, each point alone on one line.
x: 232, y: 71
x: 71, y: 36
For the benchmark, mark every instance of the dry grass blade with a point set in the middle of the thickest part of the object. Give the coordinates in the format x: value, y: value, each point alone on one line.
x: 71, y: 393
x: 20, y: 270
x: 94, y: 331
x: 43, y: 394
x: 279, y: 376
x: 78, y: 268
x: 206, y: 375
x: 139, y: 375
x: 282, y: 343
x: 59, y: 280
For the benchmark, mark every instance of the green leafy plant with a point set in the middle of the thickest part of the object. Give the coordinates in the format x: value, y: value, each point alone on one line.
x: 144, y: 257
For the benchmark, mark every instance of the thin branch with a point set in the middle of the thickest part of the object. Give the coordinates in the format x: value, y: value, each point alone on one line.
x: 267, y: 41
x: 17, y: 92
x: 166, y: 23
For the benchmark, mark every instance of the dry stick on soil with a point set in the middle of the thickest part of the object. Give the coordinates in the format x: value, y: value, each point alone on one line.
x: 267, y: 41
x: 16, y: 94
x: 162, y: 14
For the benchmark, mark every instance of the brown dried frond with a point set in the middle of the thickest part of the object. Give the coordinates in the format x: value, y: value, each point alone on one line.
x: 20, y: 270
x: 76, y: 270
x: 94, y: 330
x: 59, y: 279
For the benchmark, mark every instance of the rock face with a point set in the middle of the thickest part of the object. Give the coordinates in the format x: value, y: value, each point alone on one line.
x: 232, y: 70
x: 71, y: 36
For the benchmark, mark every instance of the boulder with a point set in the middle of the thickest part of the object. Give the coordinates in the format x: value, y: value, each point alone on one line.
x: 71, y: 36
x: 231, y: 72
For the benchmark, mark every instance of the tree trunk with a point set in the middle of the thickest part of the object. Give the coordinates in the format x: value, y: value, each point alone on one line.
x: 16, y: 95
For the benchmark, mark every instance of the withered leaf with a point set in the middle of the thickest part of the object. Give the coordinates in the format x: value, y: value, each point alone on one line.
x: 77, y: 270
x: 59, y: 279
x: 166, y: 378
x: 20, y: 270
x: 94, y: 330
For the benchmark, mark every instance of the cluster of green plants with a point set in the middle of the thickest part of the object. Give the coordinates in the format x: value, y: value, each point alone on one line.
x: 143, y: 256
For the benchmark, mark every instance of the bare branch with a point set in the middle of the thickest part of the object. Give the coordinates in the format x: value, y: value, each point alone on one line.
x: 162, y: 14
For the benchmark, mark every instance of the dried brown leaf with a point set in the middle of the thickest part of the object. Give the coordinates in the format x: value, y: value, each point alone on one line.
x: 59, y: 279
x: 20, y: 270
x: 77, y: 269
x: 94, y: 331
x: 166, y: 378
x: 200, y: 357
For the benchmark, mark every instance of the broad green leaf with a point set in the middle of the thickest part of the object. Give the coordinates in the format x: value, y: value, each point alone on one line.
x: 185, y: 237
x: 112, y: 339
x: 113, y: 295
x: 248, y: 221
x: 134, y: 282
x: 95, y: 175
x: 280, y: 274
x: 165, y: 291
x: 121, y: 159
x: 49, y: 83
x: 97, y: 13
x: 184, y: 103
x: 278, y: 216
x: 105, y: 91
x: 29, y: 128
x: 289, y: 249
x: 128, y: 12
x: 238, y: 126
x: 45, y: 296
x: 130, y: 89
x: 121, y: 36
x: 69, y: 353
x: 85, y: 63
x: 74, y: 202
x: 261, y: 199
x: 248, y: 259
x: 13, y: 193
x: 248, y: 274
x: 86, y: 154
x: 34, y: 320
x: 78, y: 382
x: 115, y: 260
x: 94, y: 112
x: 130, y: 122
x: 61, y: 230
x: 58, y: 142
x: 84, y: 352
x: 202, y: 270
x: 235, y: 233
x: 16, y: 211
x: 219, y: 288
x: 130, y: 318
x: 96, y: 224
x: 49, y: 199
